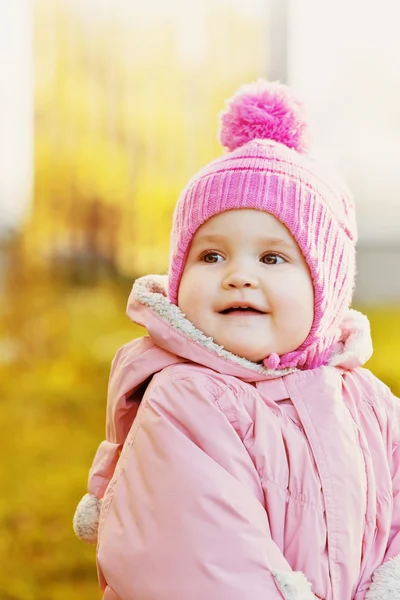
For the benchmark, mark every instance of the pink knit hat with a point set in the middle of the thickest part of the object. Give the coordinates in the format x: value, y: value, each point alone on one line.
x: 267, y: 168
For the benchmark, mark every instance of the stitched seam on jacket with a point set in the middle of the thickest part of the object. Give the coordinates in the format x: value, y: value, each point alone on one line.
x: 262, y: 477
x: 375, y: 402
x: 232, y: 417
x: 136, y: 426
x: 290, y: 495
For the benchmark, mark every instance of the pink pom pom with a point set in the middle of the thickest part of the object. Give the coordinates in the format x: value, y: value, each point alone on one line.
x: 263, y: 110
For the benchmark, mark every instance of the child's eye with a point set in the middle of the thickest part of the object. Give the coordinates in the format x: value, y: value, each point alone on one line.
x: 211, y: 257
x: 272, y: 259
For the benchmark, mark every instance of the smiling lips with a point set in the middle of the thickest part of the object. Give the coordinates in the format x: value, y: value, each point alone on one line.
x: 242, y: 309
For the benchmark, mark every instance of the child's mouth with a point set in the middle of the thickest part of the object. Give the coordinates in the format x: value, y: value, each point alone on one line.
x: 241, y: 310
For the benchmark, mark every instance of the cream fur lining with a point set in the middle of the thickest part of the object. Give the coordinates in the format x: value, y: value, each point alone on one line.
x: 150, y: 291
x: 386, y: 581
x: 353, y: 349
x: 355, y: 345
x: 293, y: 585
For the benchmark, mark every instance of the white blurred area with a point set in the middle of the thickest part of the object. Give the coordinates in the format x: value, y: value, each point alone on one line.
x: 16, y: 111
x: 343, y: 60
x: 344, y: 63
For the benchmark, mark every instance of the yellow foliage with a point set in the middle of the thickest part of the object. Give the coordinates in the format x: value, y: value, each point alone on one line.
x: 123, y: 119
x: 52, y: 418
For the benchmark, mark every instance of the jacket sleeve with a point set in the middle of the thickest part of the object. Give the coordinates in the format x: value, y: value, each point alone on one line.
x: 183, y: 516
x: 386, y: 579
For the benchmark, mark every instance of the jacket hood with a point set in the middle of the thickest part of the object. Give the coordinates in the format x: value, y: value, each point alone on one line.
x: 169, y: 329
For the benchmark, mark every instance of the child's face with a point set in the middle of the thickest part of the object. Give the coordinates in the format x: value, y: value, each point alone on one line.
x: 247, y: 258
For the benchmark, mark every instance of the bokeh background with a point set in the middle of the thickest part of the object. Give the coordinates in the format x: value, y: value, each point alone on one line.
x: 107, y: 107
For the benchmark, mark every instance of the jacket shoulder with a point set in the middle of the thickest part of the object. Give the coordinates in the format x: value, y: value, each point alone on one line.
x: 191, y: 385
x: 370, y: 386
x: 367, y: 389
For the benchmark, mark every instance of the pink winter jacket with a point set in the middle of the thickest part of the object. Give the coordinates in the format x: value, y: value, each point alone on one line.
x: 220, y: 480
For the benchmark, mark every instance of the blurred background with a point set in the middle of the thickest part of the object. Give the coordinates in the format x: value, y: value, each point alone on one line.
x: 107, y: 107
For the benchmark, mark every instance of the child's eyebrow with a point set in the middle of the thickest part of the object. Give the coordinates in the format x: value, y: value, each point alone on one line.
x: 275, y: 241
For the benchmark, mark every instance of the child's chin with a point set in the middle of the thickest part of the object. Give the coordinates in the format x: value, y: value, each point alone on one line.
x: 248, y: 353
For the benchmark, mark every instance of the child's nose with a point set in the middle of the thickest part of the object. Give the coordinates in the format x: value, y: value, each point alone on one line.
x: 239, y: 279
